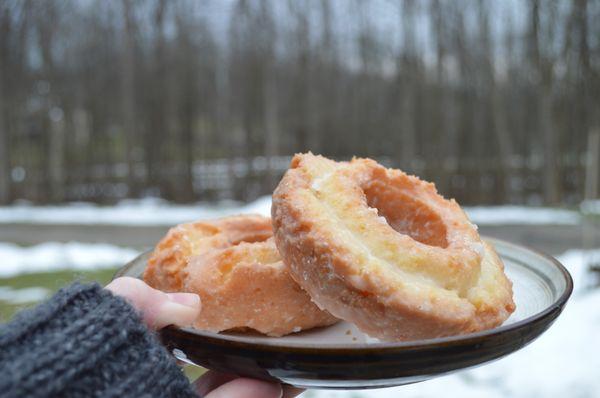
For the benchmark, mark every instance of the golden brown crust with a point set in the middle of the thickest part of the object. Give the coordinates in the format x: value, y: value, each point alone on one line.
x: 383, y: 250
x: 233, y: 264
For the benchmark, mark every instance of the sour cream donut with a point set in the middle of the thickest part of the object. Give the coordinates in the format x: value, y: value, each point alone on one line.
x: 233, y: 265
x: 384, y: 250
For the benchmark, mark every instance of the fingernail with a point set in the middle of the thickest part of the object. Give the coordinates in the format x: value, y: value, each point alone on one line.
x: 188, y: 299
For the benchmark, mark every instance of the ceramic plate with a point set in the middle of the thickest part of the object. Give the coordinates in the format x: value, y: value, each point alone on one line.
x: 340, y: 356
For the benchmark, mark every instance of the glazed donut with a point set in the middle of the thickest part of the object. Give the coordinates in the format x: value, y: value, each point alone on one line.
x: 233, y: 264
x: 384, y: 250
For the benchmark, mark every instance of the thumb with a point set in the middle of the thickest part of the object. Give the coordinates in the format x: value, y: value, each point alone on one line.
x: 158, y: 309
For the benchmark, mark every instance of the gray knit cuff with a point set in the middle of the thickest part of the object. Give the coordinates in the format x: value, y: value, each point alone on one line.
x: 85, y: 342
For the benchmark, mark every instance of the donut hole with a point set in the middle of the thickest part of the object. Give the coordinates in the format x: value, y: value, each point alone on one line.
x: 406, y: 215
x: 198, y: 231
x: 256, y: 235
x: 255, y: 253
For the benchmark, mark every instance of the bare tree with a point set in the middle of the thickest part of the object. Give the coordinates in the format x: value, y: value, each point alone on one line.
x: 156, y: 129
x: 128, y: 94
x: 162, y: 98
x: 5, y: 32
x: 443, y: 148
x: 543, y: 65
x: 269, y: 92
x: 493, y: 92
x: 303, y: 130
x: 47, y: 17
x: 407, y: 71
x: 326, y: 80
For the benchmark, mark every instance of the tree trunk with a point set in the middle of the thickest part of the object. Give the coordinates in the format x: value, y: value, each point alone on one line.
x: 408, y: 75
x: 271, y: 128
x: 56, y: 154
x: 128, y: 97
x: 548, y: 138
x: 550, y: 144
x: 4, y: 141
x: 156, y: 131
x: 592, y: 175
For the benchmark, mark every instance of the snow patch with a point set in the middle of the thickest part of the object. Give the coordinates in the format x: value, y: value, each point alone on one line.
x: 590, y: 206
x: 52, y: 256
x: 504, y: 215
x: 563, y: 362
x: 142, y: 212
x: 22, y: 296
x: 151, y: 211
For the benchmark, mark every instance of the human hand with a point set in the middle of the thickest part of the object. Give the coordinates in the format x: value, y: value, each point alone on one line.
x: 214, y: 384
x: 159, y: 309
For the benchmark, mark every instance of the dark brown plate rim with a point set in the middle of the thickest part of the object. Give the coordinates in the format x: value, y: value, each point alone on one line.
x: 250, y: 343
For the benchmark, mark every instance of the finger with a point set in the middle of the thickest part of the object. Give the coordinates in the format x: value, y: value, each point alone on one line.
x: 158, y: 309
x: 211, y: 380
x: 247, y: 388
x: 291, y: 392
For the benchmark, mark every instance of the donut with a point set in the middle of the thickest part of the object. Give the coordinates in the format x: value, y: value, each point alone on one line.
x: 234, y: 266
x: 383, y: 250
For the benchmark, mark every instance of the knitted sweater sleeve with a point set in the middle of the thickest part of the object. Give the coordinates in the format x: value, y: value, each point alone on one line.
x: 85, y: 342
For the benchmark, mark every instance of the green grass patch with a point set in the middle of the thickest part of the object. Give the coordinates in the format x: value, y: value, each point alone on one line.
x: 47, y: 280
x: 53, y: 281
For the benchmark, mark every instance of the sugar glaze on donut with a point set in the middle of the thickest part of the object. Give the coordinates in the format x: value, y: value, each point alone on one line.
x: 384, y: 250
x: 233, y: 264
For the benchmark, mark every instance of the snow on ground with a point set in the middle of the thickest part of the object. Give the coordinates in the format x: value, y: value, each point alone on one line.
x: 504, y: 215
x: 141, y: 212
x: 590, y: 206
x: 159, y: 212
x: 24, y: 295
x: 51, y: 256
x: 563, y: 362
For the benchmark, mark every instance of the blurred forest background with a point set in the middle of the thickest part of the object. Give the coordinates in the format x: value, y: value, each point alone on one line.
x: 495, y: 101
